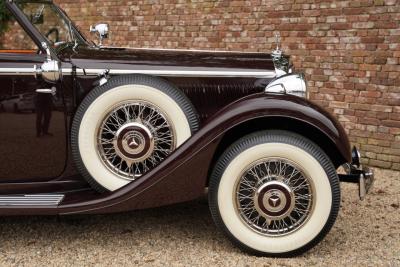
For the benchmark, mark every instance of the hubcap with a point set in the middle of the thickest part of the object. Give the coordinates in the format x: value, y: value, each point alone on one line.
x: 274, y: 197
x: 134, y: 137
x: 133, y: 142
x: 274, y: 200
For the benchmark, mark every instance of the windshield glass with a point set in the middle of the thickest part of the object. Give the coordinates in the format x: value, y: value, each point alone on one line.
x: 51, y: 22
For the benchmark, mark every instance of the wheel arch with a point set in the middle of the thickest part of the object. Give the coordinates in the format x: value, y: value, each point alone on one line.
x: 280, y: 122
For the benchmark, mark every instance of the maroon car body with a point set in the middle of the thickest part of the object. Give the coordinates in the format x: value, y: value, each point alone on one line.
x: 227, y: 89
x: 227, y: 106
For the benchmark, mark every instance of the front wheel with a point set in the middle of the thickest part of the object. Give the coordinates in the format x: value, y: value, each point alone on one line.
x: 274, y: 193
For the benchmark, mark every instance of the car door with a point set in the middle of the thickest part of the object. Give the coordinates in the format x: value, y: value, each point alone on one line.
x: 32, y: 133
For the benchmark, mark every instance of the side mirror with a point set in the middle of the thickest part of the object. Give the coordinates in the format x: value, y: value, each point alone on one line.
x: 102, y: 30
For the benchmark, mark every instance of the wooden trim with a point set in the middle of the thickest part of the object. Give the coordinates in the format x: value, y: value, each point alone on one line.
x: 15, y: 51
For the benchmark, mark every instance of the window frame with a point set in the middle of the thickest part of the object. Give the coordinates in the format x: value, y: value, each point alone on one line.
x: 30, y: 29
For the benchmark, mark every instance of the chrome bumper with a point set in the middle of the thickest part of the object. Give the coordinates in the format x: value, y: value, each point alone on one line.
x: 364, y: 176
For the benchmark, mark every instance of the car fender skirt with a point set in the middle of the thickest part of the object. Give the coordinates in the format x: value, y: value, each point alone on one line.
x: 183, y: 175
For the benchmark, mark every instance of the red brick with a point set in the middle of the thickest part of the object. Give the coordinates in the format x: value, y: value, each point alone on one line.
x: 349, y: 50
x: 381, y: 164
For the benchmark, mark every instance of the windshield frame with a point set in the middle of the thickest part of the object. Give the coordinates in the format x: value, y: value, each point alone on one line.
x: 75, y: 30
x: 77, y: 36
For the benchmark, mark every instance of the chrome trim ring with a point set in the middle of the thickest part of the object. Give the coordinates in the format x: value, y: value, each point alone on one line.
x: 134, y: 137
x: 274, y: 196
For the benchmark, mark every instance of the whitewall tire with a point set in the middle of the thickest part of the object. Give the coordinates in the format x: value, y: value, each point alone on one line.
x: 126, y: 127
x: 274, y: 193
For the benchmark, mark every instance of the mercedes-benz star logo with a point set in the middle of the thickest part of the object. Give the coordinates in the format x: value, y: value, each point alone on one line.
x: 133, y: 143
x: 274, y: 201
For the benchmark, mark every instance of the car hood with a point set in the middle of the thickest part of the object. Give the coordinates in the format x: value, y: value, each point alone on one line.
x: 134, y: 58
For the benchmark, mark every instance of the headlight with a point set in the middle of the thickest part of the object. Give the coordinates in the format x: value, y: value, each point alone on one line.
x: 293, y: 84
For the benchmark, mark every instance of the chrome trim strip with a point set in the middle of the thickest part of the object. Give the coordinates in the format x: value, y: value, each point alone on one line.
x: 17, y: 71
x: 31, y: 200
x: 180, y: 73
x: 184, y: 50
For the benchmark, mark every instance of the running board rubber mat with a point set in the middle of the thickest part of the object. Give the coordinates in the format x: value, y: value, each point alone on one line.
x: 31, y: 200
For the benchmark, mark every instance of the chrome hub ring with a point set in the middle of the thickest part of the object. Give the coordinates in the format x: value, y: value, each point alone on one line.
x: 134, y: 137
x: 133, y: 142
x: 274, y: 200
x: 274, y: 196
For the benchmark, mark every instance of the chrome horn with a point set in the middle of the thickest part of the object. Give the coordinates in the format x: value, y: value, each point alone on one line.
x: 50, y: 70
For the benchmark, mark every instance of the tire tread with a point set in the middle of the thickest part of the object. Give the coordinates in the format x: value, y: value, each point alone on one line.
x: 278, y: 136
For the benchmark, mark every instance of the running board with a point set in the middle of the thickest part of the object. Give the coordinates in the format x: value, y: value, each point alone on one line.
x: 31, y: 200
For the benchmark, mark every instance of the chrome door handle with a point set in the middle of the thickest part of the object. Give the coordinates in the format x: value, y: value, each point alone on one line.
x: 52, y: 90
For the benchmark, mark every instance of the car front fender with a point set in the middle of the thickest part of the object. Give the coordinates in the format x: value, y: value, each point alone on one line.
x: 183, y: 175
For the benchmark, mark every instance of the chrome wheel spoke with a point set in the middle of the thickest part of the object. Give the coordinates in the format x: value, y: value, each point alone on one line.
x: 134, y: 137
x: 274, y: 197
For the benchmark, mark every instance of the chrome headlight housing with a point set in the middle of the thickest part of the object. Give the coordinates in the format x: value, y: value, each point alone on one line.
x: 292, y: 83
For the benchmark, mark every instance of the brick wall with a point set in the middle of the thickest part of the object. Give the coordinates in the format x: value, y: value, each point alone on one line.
x: 349, y: 50
x: 14, y: 37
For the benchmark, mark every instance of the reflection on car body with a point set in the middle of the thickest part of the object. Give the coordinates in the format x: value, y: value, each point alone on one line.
x: 18, y: 103
x: 152, y: 127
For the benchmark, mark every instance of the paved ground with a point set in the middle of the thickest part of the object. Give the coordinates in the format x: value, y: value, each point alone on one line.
x: 366, y: 234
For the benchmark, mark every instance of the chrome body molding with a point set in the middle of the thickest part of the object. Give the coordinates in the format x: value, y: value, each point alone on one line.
x: 177, y: 73
x: 31, y: 200
x: 184, y: 50
x: 17, y: 71
x: 293, y: 84
x: 174, y: 73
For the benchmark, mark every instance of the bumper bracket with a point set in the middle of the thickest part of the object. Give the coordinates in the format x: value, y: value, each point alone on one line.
x: 364, y: 177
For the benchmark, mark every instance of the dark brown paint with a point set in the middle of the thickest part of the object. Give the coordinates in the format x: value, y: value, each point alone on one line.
x: 183, y: 175
x: 23, y: 156
x: 223, y: 103
x: 131, y: 59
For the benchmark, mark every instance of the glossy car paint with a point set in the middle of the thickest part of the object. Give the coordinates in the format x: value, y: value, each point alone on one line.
x: 208, y: 94
x: 122, y: 58
x: 223, y: 103
x: 23, y: 156
x: 183, y: 175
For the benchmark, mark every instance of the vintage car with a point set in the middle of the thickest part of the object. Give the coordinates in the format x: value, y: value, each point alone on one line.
x: 152, y: 127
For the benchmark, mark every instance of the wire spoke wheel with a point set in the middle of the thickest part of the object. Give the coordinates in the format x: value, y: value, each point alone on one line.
x: 134, y: 137
x: 274, y: 197
x: 125, y: 128
x: 274, y: 193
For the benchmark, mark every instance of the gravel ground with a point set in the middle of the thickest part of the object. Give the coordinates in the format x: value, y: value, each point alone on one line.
x: 365, y: 234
